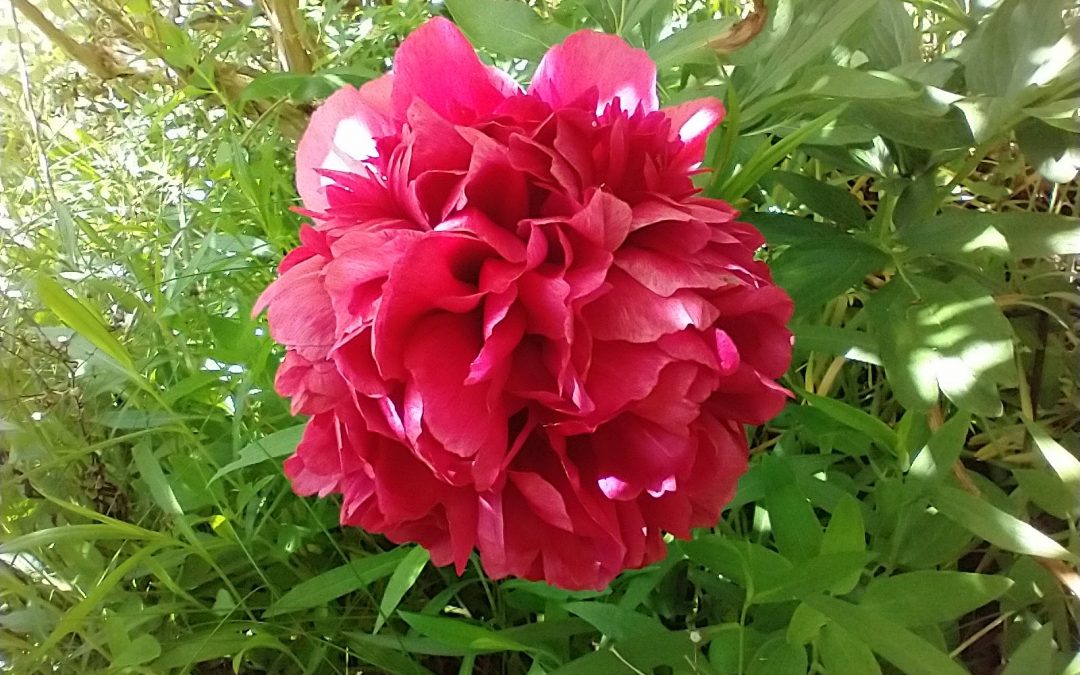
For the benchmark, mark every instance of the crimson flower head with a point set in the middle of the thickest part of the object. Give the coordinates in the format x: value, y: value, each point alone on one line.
x: 515, y: 325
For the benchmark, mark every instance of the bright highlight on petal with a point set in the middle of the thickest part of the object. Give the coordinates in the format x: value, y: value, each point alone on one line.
x: 516, y: 326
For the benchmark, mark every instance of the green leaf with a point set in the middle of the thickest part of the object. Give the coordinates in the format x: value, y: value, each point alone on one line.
x: 747, y: 564
x: 1034, y: 656
x: 768, y: 156
x: 272, y: 446
x: 830, y: 201
x: 1064, y: 463
x: 614, y: 621
x: 646, y: 652
x: 851, y: 344
x: 458, y: 633
x: 142, y: 649
x: 386, y: 659
x: 934, y: 462
x: 328, y: 586
x: 65, y: 533
x: 690, y: 44
x: 805, y: 625
x: 849, y: 83
x: 795, y: 36
x: 929, y: 596
x: 896, y: 644
x: 1019, y: 234
x: 304, y: 87
x: 820, y: 262
x: 888, y: 38
x: 75, y: 617
x: 403, y: 578
x: 873, y: 428
x: 816, y: 575
x: 506, y: 27
x: 920, y: 126
x: 998, y: 56
x: 795, y: 527
x: 1048, y: 492
x: 995, y: 526
x: 1053, y: 152
x: 85, y: 321
x: 778, y: 657
x: 150, y: 470
x: 918, y: 202
x: 843, y: 654
x: 223, y: 640
x: 1059, y: 114
x: 845, y: 533
x: 950, y: 336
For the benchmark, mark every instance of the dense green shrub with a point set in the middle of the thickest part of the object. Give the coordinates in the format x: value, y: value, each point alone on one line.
x: 912, y: 165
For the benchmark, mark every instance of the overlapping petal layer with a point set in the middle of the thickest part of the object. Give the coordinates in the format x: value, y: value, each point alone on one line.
x: 516, y: 326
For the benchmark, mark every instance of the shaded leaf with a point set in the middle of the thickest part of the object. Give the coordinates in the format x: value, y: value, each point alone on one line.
x: 843, y: 654
x: 272, y: 446
x: 337, y: 582
x: 506, y: 27
x: 931, y: 596
x: 851, y: 344
x: 690, y: 44
x: 403, y: 578
x: 459, y: 633
x: 832, y: 202
x: 873, y: 428
x: 1034, y: 656
x: 896, y: 644
x: 820, y: 262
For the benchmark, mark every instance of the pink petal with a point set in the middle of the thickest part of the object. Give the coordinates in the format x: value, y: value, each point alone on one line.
x: 543, y: 497
x: 437, y: 64
x: 425, y: 279
x: 633, y: 313
x: 341, y: 135
x: 316, y: 465
x: 622, y: 372
x: 605, y: 220
x: 691, y: 123
x: 437, y: 359
x: 634, y: 455
x: 591, y: 69
x: 727, y: 353
x: 300, y: 314
x: 665, y: 274
x: 498, y: 347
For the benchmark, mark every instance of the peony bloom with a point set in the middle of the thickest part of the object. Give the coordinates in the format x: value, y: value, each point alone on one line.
x: 515, y: 325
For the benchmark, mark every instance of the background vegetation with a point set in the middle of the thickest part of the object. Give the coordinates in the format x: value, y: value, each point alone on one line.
x: 913, y: 166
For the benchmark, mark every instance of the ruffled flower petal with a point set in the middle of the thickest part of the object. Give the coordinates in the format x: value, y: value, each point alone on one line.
x: 518, y: 328
x: 594, y: 70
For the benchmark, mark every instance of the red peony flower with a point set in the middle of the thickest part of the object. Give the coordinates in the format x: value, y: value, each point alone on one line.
x: 515, y: 325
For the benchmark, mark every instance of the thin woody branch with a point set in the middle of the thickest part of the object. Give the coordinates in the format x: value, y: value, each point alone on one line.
x: 287, y: 29
x: 95, y: 59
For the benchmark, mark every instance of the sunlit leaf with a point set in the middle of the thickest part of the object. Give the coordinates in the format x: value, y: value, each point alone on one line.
x: 996, y: 526
x: 947, y: 335
x: 76, y: 314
